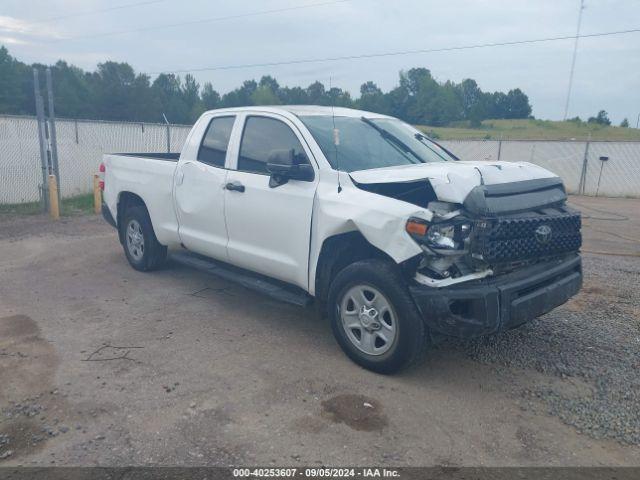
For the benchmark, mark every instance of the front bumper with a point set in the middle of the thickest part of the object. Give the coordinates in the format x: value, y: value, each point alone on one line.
x: 494, y: 304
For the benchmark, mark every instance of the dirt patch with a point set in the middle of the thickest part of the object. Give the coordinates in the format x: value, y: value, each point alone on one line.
x: 357, y: 411
x: 19, y: 437
x: 27, y: 365
x: 18, y: 326
x: 27, y: 361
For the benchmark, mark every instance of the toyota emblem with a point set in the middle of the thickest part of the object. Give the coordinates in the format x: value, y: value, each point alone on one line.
x: 543, y: 234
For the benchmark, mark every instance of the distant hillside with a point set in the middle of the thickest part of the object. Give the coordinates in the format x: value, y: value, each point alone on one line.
x: 532, y: 130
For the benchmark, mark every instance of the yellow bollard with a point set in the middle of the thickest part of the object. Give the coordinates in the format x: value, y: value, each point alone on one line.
x: 54, y: 208
x: 97, y: 195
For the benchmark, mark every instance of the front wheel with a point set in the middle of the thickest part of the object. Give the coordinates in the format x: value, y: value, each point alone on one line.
x: 141, y: 246
x: 374, y: 319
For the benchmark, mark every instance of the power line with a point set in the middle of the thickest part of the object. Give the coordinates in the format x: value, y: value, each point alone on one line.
x: 93, y: 12
x: 203, y: 20
x: 573, y: 60
x: 396, y: 53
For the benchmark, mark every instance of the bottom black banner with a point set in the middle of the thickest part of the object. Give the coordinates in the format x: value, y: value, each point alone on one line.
x: 215, y: 473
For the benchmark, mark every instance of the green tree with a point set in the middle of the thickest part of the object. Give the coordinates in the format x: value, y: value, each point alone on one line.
x: 338, y: 98
x: 316, y: 94
x: 114, y: 91
x: 602, y: 118
x: 73, y: 94
x: 293, y: 96
x: 240, y: 96
x: 210, y: 98
x: 372, y: 99
x: 112, y: 87
x: 472, y: 101
x: 13, y: 98
x: 263, y: 95
x: 624, y: 123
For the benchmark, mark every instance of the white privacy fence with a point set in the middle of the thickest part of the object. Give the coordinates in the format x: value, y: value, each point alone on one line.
x: 81, y: 144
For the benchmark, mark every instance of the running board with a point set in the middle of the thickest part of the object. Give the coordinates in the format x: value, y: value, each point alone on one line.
x: 275, y: 289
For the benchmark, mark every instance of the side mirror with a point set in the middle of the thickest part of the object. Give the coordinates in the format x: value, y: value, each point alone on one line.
x: 285, y: 165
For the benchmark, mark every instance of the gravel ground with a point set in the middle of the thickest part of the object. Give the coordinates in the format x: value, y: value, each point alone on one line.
x: 595, y: 338
x: 103, y: 365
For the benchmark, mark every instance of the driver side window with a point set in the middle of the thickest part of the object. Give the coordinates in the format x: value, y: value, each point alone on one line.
x: 261, y: 139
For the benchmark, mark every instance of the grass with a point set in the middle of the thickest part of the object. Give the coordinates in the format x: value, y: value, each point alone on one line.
x: 530, y: 129
x: 80, y: 204
x: 77, y: 205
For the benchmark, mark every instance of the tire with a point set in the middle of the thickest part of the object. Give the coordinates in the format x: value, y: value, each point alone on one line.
x: 141, y: 247
x: 393, y: 335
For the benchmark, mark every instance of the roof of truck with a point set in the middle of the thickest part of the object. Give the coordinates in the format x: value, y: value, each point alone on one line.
x: 303, y: 110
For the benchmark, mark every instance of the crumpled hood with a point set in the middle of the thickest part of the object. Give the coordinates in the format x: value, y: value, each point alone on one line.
x: 452, y: 181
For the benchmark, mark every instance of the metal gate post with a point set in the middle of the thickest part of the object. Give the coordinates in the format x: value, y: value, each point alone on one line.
x: 41, y: 138
x: 52, y: 131
x: 583, y: 174
x: 168, y: 133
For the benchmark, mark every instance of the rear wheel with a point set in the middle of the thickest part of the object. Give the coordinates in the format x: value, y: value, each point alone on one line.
x: 141, y: 246
x: 374, y: 318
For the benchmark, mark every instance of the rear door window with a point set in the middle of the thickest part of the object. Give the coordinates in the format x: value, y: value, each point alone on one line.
x: 213, y: 150
x: 262, y: 137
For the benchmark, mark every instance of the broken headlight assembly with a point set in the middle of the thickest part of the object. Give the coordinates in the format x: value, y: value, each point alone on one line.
x: 447, y: 237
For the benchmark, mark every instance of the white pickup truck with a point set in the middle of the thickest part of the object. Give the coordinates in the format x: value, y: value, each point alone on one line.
x: 389, y: 233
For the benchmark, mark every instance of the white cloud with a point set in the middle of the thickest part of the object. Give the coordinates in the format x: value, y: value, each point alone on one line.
x: 12, y: 25
x: 12, y: 41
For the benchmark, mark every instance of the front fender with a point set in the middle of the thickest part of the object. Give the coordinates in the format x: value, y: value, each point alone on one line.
x: 381, y: 221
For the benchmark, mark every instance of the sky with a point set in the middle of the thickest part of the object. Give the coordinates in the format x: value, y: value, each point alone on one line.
x: 219, y: 33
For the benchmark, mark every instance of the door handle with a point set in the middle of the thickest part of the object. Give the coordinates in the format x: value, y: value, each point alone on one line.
x: 235, y: 186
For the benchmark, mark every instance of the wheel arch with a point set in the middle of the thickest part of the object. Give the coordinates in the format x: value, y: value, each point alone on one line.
x: 338, y: 252
x: 125, y: 200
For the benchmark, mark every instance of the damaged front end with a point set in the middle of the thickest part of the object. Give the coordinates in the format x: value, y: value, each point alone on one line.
x: 446, y: 245
x: 494, y: 259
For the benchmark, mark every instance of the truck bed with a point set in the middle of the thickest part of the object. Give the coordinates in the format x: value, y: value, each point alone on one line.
x: 148, y: 176
x: 168, y: 157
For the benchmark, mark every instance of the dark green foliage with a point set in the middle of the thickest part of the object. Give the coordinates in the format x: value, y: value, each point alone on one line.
x: 601, y: 119
x: 115, y: 92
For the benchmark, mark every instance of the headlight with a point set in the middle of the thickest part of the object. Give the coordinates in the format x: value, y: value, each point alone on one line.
x: 448, y: 235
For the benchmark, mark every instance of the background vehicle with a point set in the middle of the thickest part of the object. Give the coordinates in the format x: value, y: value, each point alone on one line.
x: 389, y: 233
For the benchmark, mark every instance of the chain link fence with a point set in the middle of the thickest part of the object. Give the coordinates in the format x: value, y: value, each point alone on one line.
x: 608, y: 169
x: 81, y: 144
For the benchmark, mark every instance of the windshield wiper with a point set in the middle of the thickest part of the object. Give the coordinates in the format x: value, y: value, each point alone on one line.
x: 392, y: 139
x: 422, y: 139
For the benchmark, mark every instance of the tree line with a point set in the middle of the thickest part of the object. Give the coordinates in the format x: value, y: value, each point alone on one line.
x: 114, y: 91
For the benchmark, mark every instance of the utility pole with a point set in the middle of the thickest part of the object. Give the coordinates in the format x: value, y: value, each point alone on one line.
x: 573, y: 60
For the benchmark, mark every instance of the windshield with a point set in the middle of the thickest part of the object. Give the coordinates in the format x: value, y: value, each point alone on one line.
x: 365, y: 143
